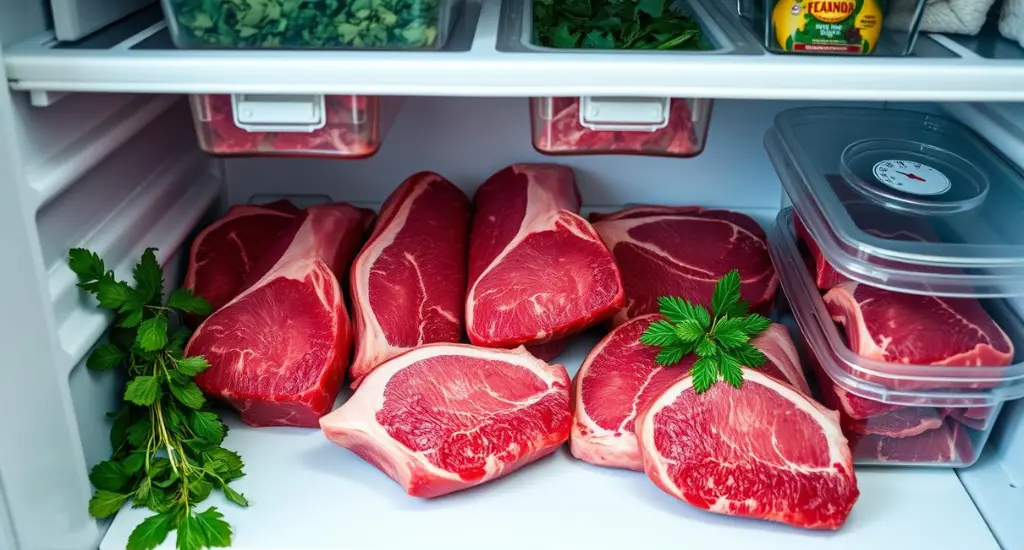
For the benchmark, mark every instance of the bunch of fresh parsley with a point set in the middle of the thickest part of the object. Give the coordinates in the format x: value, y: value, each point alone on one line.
x: 721, y: 341
x: 308, y: 23
x: 615, y: 24
x: 167, y: 443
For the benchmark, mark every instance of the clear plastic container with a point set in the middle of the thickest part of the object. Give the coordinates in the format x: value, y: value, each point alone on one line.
x: 893, y: 413
x: 311, y: 24
x: 329, y: 126
x: 620, y: 125
x: 903, y: 200
x: 841, y: 27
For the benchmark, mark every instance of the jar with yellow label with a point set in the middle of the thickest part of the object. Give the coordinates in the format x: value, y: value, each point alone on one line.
x: 826, y: 26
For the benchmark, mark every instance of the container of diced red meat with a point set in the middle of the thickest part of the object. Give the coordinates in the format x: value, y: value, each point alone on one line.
x: 602, y: 125
x: 903, y: 261
x: 344, y: 126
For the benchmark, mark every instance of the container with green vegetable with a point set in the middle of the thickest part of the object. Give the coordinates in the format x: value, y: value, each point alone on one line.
x: 311, y: 24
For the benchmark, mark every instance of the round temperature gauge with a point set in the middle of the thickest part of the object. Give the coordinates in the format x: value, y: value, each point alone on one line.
x: 911, y: 177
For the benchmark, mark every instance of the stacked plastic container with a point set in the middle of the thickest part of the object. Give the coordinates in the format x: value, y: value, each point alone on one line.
x: 903, y: 260
x: 278, y: 125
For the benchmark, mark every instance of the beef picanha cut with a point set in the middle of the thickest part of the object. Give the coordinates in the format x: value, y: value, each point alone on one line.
x: 619, y: 377
x: 684, y: 254
x: 409, y: 281
x: 279, y: 350
x: 446, y: 417
x: 537, y: 270
x: 224, y: 256
x: 765, y: 451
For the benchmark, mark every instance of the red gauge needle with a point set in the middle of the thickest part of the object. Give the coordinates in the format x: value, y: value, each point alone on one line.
x: 911, y: 176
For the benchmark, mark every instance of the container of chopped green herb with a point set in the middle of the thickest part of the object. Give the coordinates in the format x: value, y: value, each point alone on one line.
x: 311, y: 24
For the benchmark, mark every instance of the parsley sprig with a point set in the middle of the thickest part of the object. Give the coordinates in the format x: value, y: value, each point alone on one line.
x: 721, y: 342
x: 167, y: 443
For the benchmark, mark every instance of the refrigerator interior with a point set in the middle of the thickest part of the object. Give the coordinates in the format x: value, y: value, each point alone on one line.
x: 119, y: 173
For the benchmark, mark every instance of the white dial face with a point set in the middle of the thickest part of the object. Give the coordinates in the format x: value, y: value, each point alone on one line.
x: 911, y: 177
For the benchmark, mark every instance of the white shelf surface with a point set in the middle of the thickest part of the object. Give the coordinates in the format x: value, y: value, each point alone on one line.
x: 308, y: 493
x: 480, y: 63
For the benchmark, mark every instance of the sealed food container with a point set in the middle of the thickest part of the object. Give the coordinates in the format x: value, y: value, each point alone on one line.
x: 316, y: 24
x: 311, y: 125
x: 893, y: 413
x: 836, y: 27
x: 602, y: 125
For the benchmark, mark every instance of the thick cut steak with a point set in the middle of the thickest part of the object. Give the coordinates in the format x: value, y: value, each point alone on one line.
x: 765, y: 451
x: 950, y: 443
x: 409, y: 281
x: 918, y: 330
x: 225, y: 256
x: 619, y: 377
x: 684, y: 254
x: 446, y: 417
x: 278, y: 351
x: 562, y: 132
x: 902, y: 422
x: 537, y: 270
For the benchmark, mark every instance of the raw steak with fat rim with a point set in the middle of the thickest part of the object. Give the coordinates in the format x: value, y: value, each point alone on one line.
x: 445, y: 417
x: 224, y: 257
x: 902, y: 422
x: 619, y: 377
x: 537, y: 270
x: 278, y: 351
x: 948, y: 444
x: 918, y: 330
x: 765, y: 451
x: 684, y: 254
x: 409, y: 282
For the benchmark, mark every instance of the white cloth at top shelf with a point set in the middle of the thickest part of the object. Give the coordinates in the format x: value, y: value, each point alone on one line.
x: 948, y: 16
x: 1011, y: 20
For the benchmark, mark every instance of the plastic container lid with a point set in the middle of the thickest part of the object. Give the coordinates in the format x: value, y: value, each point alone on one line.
x: 894, y: 383
x: 904, y: 201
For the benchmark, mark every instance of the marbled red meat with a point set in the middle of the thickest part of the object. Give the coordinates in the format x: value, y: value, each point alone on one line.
x: 684, y: 254
x: 279, y: 350
x: 950, y: 443
x: 229, y: 254
x: 557, y: 129
x: 619, y: 377
x: 537, y: 270
x: 408, y: 284
x: 906, y: 421
x: 446, y: 417
x: 765, y: 451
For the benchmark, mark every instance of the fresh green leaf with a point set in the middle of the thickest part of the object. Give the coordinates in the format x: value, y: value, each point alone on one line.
x: 149, y: 278
x: 151, y: 532
x: 199, y: 489
x: 215, y: 530
x: 119, y: 429
x: 139, y: 432
x: 726, y: 293
x: 207, y: 425
x: 175, y: 419
x: 704, y: 372
x: 176, y: 345
x: 108, y: 476
x: 753, y: 324
x: 677, y: 310
x: 191, y: 366
x: 659, y: 333
x: 673, y: 353
x: 134, y: 462
x: 739, y: 310
x: 142, y: 390
x: 153, y: 333
x: 105, y: 357
x: 186, y: 301
x: 234, y: 496
x: 749, y: 356
x: 160, y: 499
x: 706, y: 347
x: 113, y: 294
x: 730, y: 370
x: 730, y: 333
x: 190, y: 533
x: 87, y: 266
x: 104, y: 504
x: 188, y: 394
x: 689, y: 331
x: 223, y: 462
x: 618, y: 24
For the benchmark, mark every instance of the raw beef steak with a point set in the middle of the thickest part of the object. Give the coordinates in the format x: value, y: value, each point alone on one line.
x: 646, y: 211
x: 562, y: 132
x: 537, y: 271
x: 902, y: 422
x: 973, y: 417
x: 278, y: 351
x: 224, y: 256
x: 765, y: 451
x: 409, y: 281
x: 619, y: 377
x: 948, y: 444
x: 918, y: 330
x: 685, y: 254
x: 446, y: 417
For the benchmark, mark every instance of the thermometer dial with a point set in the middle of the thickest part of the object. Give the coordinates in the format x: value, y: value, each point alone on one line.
x: 911, y: 177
